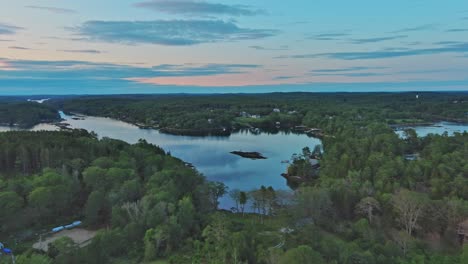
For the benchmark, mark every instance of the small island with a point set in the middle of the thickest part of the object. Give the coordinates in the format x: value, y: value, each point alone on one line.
x: 249, y: 155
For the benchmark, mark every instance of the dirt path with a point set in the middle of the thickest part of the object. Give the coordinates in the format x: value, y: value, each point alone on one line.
x: 78, y: 235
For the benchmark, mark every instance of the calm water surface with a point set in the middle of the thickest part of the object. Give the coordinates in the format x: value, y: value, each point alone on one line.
x: 210, y: 155
x: 437, y: 128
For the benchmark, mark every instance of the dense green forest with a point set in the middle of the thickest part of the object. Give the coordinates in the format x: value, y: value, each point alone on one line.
x: 26, y: 114
x: 220, y: 114
x: 367, y: 203
x: 150, y: 206
x: 51, y: 178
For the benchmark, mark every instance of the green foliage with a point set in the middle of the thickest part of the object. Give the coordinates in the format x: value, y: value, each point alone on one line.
x: 33, y: 258
x: 128, y: 188
x: 366, y: 203
x: 301, y: 255
x: 26, y: 114
x: 221, y: 114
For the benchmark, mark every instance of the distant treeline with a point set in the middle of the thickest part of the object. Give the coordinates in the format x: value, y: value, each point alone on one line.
x: 26, y: 114
x: 218, y: 114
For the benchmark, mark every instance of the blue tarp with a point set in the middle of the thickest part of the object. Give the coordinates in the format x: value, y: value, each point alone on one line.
x: 58, y: 229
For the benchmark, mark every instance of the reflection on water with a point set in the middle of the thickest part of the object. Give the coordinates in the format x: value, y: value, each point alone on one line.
x: 438, y: 128
x: 210, y: 155
x: 40, y: 127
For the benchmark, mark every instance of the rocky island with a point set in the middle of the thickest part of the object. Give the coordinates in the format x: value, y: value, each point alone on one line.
x: 249, y: 155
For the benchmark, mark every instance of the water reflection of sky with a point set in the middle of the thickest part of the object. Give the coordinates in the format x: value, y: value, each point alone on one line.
x: 211, y: 155
x: 438, y: 128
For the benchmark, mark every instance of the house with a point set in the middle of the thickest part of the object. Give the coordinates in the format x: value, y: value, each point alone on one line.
x: 315, y: 163
x: 462, y: 232
x: 255, y: 116
x: 300, y: 128
x: 412, y: 157
x: 276, y: 110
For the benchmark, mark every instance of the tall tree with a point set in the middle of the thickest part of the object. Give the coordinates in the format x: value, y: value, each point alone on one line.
x: 235, y: 196
x: 367, y: 206
x: 243, y: 199
x: 409, y: 207
x: 217, y: 190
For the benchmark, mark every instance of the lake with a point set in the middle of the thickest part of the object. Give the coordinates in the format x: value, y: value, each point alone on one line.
x: 211, y: 155
x: 437, y: 128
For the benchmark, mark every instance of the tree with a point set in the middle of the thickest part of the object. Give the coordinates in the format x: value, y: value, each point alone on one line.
x: 313, y: 203
x: 33, y: 258
x: 409, y: 206
x: 151, y: 250
x: 270, y: 199
x: 243, y: 198
x: 95, y: 177
x: 217, y: 190
x: 235, y: 196
x: 62, y: 250
x: 10, y: 203
x: 367, y: 206
x: 402, y: 239
x: 186, y: 215
x: 302, y: 255
x: 96, y: 210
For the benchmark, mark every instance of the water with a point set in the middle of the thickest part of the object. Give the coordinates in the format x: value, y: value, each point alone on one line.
x: 39, y: 127
x: 211, y: 155
x: 437, y: 128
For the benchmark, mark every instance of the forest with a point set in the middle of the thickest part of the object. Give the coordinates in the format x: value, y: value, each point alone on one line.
x: 367, y: 203
x: 26, y: 114
x: 218, y: 114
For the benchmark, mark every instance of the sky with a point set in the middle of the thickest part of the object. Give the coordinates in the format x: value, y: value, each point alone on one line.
x: 245, y: 46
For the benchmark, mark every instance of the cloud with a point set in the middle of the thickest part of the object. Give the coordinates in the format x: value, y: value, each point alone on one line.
x: 169, y: 32
x: 417, y: 28
x: 91, y: 51
x: 79, y: 77
x: 203, y: 8
x: 6, y: 29
x: 18, y: 48
x: 374, y: 40
x: 348, y: 69
x: 385, y: 53
x: 284, y: 77
x: 283, y: 47
x: 454, y: 30
x: 448, y: 42
x: 86, y: 86
x: 412, y: 43
x: 71, y: 70
x: 328, y: 36
x: 355, y: 71
x: 55, y: 10
x: 354, y: 74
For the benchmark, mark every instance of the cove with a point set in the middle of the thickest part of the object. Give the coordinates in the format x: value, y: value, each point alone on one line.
x: 210, y: 155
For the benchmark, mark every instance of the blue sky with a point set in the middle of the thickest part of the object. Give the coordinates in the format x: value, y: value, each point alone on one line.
x: 164, y: 46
